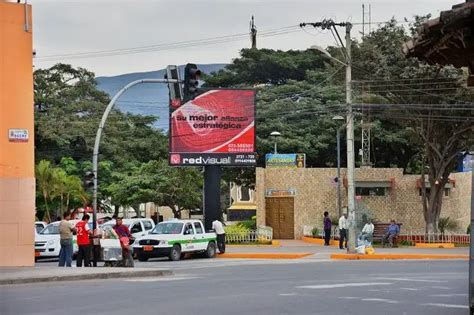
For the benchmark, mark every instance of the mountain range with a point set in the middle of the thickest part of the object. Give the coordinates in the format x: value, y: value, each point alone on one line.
x: 146, y: 99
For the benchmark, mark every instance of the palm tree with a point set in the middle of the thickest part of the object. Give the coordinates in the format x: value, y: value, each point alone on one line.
x: 59, y: 187
x: 74, y: 190
x: 44, y: 180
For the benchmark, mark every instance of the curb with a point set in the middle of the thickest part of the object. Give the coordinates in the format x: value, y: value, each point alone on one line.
x: 264, y: 255
x: 90, y: 276
x: 434, y: 245
x: 319, y: 241
x: 395, y: 256
x: 273, y: 244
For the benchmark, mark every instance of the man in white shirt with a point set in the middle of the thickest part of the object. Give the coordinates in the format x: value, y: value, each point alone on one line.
x: 367, y: 231
x: 343, y: 226
x: 219, y: 229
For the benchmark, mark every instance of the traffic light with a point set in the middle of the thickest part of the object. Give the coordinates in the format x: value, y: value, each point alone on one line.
x: 89, y: 180
x: 191, y: 81
x: 175, y: 89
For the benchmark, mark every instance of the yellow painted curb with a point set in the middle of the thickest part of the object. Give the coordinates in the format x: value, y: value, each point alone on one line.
x: 396, y: 256
x: 434, y: 245
x: 319, y: 241
x: 264, y: 255
x: 273, y: 244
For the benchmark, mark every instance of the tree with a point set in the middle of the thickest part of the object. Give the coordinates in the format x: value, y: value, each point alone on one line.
x: 68, y: 110
x: 178, y: 188
x: 181, y: 189
x: 44, y: 182
x: 429, y: 109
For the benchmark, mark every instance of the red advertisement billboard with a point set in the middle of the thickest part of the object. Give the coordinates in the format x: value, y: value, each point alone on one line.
x: 215, y: 128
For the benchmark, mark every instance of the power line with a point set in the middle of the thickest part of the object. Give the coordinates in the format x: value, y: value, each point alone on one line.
x: 167, y: 46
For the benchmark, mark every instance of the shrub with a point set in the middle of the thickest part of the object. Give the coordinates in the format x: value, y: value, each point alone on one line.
x: 468, y: 229
x: 446, y: 223
x: 249, y: 224
x: 315, y: 232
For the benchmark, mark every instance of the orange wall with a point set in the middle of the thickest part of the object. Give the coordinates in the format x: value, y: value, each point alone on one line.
x: 17, y: 183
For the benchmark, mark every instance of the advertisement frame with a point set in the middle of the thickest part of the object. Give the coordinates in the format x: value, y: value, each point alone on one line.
x: 216, y: 155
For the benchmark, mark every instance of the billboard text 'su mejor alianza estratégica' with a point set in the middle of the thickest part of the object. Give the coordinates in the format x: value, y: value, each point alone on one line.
x: 215, y: 128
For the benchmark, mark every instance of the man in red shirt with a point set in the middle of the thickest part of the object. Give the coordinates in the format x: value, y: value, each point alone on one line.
x: 83, y: 241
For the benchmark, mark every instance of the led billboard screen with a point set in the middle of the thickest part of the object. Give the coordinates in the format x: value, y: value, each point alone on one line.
x: 215, y: 128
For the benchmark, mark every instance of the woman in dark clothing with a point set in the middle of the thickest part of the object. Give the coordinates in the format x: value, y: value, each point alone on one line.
x: 327, y: 228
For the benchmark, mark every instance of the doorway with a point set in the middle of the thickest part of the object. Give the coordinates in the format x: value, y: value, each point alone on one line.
x: 280, y: 215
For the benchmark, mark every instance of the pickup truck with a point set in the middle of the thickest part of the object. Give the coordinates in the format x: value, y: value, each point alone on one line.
x: 174, y: 239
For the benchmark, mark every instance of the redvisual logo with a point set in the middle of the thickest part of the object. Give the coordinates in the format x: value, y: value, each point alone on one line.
x: 175, y: 159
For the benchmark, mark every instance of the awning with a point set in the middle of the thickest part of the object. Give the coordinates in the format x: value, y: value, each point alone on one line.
x: 240, y: 206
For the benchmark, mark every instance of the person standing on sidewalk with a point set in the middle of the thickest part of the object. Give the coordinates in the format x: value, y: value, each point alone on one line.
x: 66, y: 230
x: 343, y: 231
x: 327, y: 228
x: 219, y: 229
x: 125, y: 237
x: 83, y: 241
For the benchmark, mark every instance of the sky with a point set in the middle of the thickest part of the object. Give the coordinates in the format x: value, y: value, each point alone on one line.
x: 82, y: 26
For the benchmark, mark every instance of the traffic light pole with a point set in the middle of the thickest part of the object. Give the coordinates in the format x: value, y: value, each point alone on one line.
x: 95, y: 156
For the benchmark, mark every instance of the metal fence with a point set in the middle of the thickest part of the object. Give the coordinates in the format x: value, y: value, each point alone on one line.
x: 435, y: 237
x: 413, y: 236
x: 261, y: 235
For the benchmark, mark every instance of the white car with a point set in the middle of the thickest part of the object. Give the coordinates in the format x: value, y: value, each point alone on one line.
x: 47, y: 242
x: 39, y: 225
x: 174, y: 238
x: 138, y: 227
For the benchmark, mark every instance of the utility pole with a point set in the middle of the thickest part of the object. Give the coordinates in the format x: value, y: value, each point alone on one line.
x: 253, y: 33
x: 331, y: 25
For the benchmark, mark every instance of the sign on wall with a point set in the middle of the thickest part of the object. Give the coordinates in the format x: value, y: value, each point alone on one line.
x: 297, y: 160
x: 18, y: 135
x: 215, y: 128
x: 270, y: 192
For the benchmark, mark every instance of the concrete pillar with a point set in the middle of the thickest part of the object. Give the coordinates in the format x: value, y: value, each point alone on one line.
x: 17, y: 179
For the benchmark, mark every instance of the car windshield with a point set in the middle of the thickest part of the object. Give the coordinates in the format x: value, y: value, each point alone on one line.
x: 168, y: 228
x: 50, y: 229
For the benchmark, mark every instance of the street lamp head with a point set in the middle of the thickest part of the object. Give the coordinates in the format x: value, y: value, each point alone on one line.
x: 321, y: 50
x: 327, y: 54
x: 275, y: 134
x: 338, y: 117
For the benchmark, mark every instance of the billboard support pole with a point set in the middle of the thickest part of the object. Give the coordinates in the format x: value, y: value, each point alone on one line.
x: 212, y: 195
x: 95, y: 155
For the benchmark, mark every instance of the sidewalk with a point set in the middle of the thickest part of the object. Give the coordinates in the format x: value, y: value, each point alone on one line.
x: 21, y: 275
x: 308, y: 250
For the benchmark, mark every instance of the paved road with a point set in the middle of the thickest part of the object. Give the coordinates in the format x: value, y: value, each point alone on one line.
x: 222, y: 286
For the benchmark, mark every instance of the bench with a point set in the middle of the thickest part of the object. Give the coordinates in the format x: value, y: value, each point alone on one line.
x: 379, y: 232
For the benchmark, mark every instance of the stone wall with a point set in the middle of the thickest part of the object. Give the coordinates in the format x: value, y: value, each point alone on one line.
x: 316, y: 192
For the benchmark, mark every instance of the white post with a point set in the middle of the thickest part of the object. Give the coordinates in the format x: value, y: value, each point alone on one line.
x: 350, y: 145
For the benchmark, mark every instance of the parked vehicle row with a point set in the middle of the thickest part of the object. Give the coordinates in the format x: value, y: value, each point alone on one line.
x: 171, y: 239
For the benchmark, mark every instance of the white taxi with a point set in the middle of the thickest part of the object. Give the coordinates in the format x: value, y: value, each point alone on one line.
x: 175, y: 238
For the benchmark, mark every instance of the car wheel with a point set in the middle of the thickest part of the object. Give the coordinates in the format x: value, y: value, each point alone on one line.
x: 142, y: 257
x: 175, y: 253
x: 211, y: 250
